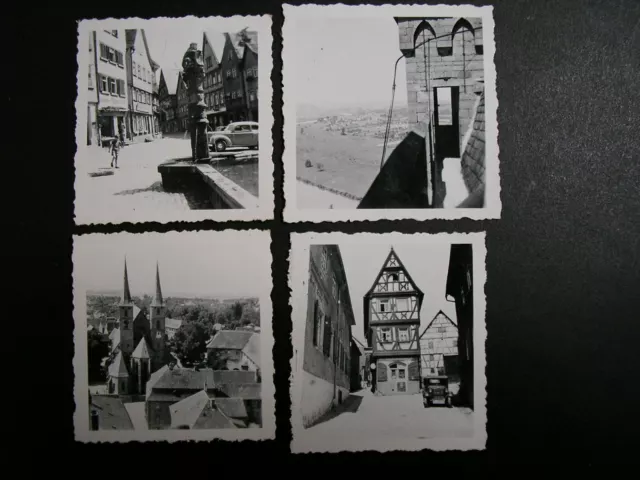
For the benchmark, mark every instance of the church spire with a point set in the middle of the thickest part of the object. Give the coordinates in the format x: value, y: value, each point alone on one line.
x: 157, y: 298
x: 126, y: 293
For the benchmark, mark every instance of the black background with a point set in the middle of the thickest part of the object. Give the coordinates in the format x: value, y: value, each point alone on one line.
x: 563, y: 273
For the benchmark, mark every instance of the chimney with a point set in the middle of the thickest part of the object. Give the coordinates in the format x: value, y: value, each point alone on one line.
x: 95, y: 420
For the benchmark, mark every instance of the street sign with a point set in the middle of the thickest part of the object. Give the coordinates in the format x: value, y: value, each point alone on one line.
x: 372, y: 366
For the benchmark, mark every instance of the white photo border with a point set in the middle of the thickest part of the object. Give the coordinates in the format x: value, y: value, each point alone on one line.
x: 266, y: 198
x: 81, y: 247
x: 298, y: 283
x: 493, y: 205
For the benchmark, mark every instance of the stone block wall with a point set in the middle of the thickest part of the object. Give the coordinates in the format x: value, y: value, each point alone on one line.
x: 452, y: 56
x: 472, y: 162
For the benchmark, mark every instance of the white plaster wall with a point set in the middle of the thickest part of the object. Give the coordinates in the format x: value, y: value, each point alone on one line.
x: 317, y: 397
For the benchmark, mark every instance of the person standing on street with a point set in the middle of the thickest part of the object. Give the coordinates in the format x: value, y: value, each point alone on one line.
x: 114, y: 149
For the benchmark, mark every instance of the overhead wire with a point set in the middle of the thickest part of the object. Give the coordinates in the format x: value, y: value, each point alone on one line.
x: 393, y: 88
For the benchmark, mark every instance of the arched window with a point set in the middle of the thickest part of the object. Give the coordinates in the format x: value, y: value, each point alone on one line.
x: 423, y: 32
x: 157, y: 324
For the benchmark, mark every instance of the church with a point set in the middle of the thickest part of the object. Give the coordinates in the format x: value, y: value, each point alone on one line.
x: 138, y: 343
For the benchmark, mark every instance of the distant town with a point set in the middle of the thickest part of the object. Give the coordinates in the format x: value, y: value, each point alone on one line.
x: 173, y: 363
x: 341, y: 149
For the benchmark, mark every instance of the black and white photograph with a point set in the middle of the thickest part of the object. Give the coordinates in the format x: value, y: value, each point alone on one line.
x: 174, y: 120
x: 390, y: 113
x: 173, y: 336
x: 388, y: 342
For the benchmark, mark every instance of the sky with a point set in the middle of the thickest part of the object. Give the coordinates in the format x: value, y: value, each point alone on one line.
x: 427, y: 264
x: 169, y: 40
x: 212, y: 264
x: 347, y: 62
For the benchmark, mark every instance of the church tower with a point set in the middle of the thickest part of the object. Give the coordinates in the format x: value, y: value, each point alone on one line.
x: 125, y: 310
x: 157, y: 316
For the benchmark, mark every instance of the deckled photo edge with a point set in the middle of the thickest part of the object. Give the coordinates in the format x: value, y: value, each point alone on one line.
x: 299, y: 269
x: 265, y: 211
x: 81, y: 247
x: 493, y: 206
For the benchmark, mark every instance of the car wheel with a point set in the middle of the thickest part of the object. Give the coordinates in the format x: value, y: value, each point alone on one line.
x: 221, y: 145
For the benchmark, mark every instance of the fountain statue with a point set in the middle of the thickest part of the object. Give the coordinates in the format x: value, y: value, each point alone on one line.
x: 193, y: 75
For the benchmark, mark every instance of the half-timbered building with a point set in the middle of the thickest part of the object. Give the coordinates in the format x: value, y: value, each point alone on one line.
x: 391, y: 324
x: 439, y: 349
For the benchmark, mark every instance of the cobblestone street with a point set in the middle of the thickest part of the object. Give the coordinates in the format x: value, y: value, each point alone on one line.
x: 398, y: 422
x: 136, y: 186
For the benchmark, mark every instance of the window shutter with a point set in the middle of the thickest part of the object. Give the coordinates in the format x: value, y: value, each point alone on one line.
x: 382, y: 372
x: 414, y: 371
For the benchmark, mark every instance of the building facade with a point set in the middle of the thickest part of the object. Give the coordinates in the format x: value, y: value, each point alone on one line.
x: 355, y: 367
x: 140, y: 80
x: 392, y: 320
x: 111, y: 75
x: 445, y: 76
x: 212, y: 50
x: 326, y: 365
x: 249, y: 67
x: 235, y: 83
x: 182, y: 102
x: 167, y: 97
x: 439, y: 349
x: 460, y: 289
x: 93, y: 132
x: 234, y: 350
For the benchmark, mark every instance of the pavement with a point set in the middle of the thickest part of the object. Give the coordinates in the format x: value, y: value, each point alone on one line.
x: 136, y: 186
x: 311, y: 197
x: 395, y: 422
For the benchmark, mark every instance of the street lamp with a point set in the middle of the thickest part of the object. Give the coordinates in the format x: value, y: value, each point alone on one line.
x: 193, y: 68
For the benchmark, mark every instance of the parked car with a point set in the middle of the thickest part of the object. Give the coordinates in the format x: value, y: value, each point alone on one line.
x: 236, y: 134
x: 435, y: 391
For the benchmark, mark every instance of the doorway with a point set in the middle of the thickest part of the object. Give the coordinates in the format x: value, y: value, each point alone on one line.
x: 447, y: 123
x: 398, y: 377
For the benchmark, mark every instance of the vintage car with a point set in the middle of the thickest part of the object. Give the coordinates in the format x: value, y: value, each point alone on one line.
x: 237, y: 134
x: 435, y: 391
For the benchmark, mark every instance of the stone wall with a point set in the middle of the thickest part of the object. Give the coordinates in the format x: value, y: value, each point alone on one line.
x: 452, y: 56
x: 472, y: 162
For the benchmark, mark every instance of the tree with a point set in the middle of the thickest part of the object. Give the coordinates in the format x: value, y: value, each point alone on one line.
x: 218, y: 360
x: 98, y: 348
x: 190, y: 342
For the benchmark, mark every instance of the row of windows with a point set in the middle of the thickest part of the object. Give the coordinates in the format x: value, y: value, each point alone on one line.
x: 386, y: 335
x: 141, y: 72
x: 111, y: 55
x: 142, y: 96
x: 395, y: 304
x: 112, y: 86
x: 431, y: 345
x: 212, y: 79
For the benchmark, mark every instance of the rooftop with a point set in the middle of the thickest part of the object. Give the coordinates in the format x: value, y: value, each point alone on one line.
x: 112, y: 413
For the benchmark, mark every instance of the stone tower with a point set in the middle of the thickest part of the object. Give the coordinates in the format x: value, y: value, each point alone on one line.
x: 126, y: 309
x: 445, y: 77
x: 157, y: 317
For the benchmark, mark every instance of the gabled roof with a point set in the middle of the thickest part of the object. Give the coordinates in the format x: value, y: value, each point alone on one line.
x: 247, y: 391
x: 170, y: 78
x: 112, y: 413
x: 252, y: 349
x: 118, y: 368
x: 141, y: 351
x: 250, y: 40
x: 232, y: 407
x: 172, y: 322
x: 131, y: 41
x: 153, y: 379
x: 189, y: 379
x: 394, y: 255
x: 216, y: 40
x: 230, y: 340
x: 436, y: 316
x: 196, y: 412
